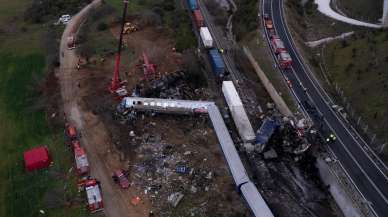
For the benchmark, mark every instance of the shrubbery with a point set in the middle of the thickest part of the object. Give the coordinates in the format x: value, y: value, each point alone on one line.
x: 244, y: 20
x: 43, y: 10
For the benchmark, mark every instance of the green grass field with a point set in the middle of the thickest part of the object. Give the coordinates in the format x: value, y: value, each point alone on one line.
x: 359, y: 67
x: 369, y: 10
x: 22, y: 126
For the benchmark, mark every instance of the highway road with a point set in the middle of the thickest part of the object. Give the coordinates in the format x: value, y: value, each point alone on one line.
x: 369, y: 179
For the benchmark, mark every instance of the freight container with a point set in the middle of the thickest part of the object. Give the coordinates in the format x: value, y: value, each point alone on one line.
x: 206, y: 37
x: 193, y: 4
x: 198, y: 18
x: 217, y: 62
x: 237, y: 111
x: 230, y: 94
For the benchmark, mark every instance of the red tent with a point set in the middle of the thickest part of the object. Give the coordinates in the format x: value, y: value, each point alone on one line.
x: 37, y: 158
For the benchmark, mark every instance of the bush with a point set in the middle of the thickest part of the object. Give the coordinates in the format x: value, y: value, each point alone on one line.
x: 194, y: 75
x: 102, y: 26
x: 244, y: 20
x: 42, y: 10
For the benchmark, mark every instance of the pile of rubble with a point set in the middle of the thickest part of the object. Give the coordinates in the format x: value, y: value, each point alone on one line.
x: 284, y: 167
x: 181, y: 178
x: 170, y: 86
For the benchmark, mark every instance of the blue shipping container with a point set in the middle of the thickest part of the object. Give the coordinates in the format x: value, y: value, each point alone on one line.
x: 266, y: 130
x: 193, y: 4
x: 217, y: 62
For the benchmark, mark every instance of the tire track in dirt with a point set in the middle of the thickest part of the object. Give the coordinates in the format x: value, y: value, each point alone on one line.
x: 94, y: 134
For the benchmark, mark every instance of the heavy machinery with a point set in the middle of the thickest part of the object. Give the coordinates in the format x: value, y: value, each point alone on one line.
x: 93, y: 193
x: 268, y: 22
x: 71, y: 132
x: 149, y: 69
x: 285, y: 60
x: 71, y: 42
x: 120, y: 177
x: 129, y: 28
x: 117, y: 84
x: 277, y: 44
x: 81, y: 160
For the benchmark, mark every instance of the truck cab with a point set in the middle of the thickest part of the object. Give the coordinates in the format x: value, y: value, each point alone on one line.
x: 120, y: 177
x: 268, y: 22
x: 94, y: 197
x: 285, y: 60
x: 81, y: 160
x: 71, y: 132
x: 277, y: 44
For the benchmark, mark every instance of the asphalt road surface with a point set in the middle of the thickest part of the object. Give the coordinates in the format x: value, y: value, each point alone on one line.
x: 365, y: 174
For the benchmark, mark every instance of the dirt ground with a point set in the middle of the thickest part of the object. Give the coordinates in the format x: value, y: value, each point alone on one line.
x: 156, y: 44
x: 159, y: 144
x: 101, y: 153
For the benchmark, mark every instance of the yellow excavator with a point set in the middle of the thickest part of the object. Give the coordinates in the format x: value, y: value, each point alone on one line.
x: 129, y: 28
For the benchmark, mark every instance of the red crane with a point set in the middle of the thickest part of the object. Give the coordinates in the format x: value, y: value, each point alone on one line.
x: 148, y: 68
x: 116, y: 83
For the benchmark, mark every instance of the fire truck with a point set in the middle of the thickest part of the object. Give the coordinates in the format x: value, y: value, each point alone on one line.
x: 93, y: 193
x: 81, y: 160
x: 285, y: 60
x: 277, y: 44
x: 71, y: 132
x: 268, y: 22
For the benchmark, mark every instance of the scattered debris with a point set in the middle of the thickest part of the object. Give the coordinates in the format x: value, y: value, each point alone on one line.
x: 175, y: 198
x: 270, y: 154
x: 135, y: 201
x: 182, y: 169
x: 193, y: 189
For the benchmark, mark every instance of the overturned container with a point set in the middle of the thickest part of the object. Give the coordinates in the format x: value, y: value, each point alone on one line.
x: 237, y: 110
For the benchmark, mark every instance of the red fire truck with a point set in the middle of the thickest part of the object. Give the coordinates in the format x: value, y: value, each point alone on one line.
x: 277, y: 44
x: 285, y: 60
x: 93, y: 192
x: 81, y: 160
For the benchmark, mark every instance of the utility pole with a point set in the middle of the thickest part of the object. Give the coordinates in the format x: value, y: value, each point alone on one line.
x: 116, y: 74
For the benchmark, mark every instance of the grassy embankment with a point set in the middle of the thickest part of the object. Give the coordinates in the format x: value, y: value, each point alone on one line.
x: 356, y: 65
x: 24, y: 124
x: 362, y: 9
x: 245, y: 26
x: 359, y: 66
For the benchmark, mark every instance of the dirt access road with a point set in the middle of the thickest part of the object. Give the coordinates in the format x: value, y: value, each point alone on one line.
x: 94, y: 134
